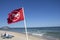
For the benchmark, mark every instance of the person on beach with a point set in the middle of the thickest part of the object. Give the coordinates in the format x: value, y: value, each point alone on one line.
x: 5, y: 35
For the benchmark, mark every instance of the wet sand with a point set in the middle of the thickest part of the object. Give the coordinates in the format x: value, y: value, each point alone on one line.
x: 20, y: 36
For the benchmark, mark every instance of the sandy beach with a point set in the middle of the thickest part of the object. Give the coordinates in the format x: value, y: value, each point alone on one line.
x: 20, y: 36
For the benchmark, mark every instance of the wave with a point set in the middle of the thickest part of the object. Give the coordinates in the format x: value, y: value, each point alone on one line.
x: 44, y: 36
x: 36, y: 34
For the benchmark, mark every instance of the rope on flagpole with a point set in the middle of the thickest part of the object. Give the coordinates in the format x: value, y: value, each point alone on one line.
x: 25, y: 25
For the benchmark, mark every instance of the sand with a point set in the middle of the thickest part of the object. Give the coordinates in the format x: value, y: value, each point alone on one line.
x: 20, y: 36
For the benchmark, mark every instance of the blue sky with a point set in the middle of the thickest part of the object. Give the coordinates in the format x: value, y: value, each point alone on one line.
x: 39, y: 13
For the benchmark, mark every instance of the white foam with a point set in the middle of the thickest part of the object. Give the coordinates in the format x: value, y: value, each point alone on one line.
x: 40, y: 34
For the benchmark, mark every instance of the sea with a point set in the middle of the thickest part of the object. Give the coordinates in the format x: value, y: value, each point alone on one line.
x: 51, y: 33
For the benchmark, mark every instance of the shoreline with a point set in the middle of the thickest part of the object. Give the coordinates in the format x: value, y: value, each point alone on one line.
x: 21, y: 36
x: 17, y: 36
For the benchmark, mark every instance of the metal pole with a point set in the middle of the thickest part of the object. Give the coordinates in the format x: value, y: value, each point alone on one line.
x: 25, y: 25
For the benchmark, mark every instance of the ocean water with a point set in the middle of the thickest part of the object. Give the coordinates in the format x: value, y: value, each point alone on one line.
x: 52, y: 33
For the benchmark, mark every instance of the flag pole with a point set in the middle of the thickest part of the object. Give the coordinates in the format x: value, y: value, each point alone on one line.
x: 25, y: 24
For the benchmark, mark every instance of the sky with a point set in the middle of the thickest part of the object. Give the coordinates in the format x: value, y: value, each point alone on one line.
x: 38, y: 13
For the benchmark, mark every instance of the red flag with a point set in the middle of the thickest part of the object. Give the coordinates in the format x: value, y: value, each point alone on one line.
x: 15, y: 16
